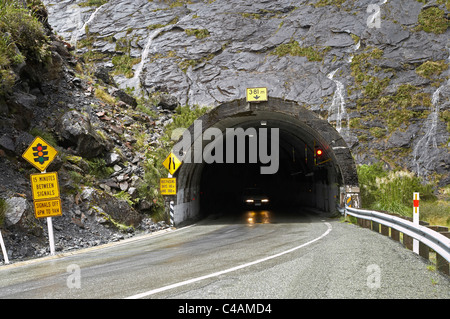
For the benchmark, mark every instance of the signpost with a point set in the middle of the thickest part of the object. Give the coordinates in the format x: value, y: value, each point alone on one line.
x: 45, y: 187
x: 257, y: 94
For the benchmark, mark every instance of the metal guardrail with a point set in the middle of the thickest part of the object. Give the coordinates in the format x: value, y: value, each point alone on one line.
x: 434, y: 240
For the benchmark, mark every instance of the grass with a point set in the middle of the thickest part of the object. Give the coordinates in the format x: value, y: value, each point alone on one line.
x: 361, y: 63
x: 397, y: 107
x: 436, y: 212
x: 375, y: 86
x: 153, y: 168
x: 293, y: 48
x: 431, y: 68
x: 98, y: 168
x: 124, y: 65
x: 323, y: 3
x: 92, y: 3
x: 377, y: 132
x: 104, y: 96
x: 433, y: 20
x: 198, y: 33
x: 122, y: 195
x: 47, y: 136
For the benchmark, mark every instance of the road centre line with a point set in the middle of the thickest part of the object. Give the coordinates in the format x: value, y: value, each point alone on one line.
x: 216, y: 274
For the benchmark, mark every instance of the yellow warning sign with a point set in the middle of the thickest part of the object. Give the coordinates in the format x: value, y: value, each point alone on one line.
x: 44, y: 186
x: 172, y: 163
x: 47, y: 208
x: 40, y: 154
x: 257, y: 94
x: 168, y: 186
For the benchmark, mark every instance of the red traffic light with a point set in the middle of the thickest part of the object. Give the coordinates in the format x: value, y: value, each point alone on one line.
x: 319, y: 152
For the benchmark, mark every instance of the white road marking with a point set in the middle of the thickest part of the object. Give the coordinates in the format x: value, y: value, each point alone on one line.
x: 216, y: 274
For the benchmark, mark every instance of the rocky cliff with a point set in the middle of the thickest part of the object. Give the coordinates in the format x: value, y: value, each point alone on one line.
x: 99, y: 136
x: 377, y: 70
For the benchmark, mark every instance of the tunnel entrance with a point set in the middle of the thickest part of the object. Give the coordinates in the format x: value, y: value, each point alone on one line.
x: 278, y: 150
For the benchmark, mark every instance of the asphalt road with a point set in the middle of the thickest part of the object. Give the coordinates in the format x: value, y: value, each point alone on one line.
x: 272, y: 256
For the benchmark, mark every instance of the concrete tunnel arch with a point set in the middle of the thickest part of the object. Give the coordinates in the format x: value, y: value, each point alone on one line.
x: 322, y: 186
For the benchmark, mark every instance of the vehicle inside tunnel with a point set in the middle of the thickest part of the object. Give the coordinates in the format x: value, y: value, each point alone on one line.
x: 276, y: 155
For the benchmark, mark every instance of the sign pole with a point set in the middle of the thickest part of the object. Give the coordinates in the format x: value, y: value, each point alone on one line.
x: 50, y: 235
x: 416, y: 220
x: 5, y: 253
x: 171, y: 211
x: 51, y: 238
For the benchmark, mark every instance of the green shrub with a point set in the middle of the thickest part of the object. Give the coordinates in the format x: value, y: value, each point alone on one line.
x: 293, y: 48
x: 377, y: 132
x: 123, y: 64
x: 431, y: 68
x: 27, y: 33
x: 367, y: 175
x: 153, y: 168
x: 322, y: 3
x: 391, y: 191
x: 46, y: 135
x: 98, y: 168
x: 436, y: 213
x: 22, y: 38
x: 183, y: 118
x: 433, y: 20
x: 92, y: 3
x: 198, y: 33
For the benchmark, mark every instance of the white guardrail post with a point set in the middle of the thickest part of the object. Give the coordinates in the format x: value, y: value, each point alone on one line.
x: 428, y: 236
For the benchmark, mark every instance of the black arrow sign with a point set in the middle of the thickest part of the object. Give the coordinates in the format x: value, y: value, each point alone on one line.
x: 256, y: 97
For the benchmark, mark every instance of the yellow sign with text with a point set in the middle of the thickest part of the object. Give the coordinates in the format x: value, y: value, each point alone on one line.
x: 47, y: 208
x: 168, y: 186
x: 257, y: 94
x: 40, y: 154
x: 45, y: 186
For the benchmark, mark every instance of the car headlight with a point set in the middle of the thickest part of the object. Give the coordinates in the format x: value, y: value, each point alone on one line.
x: 264, y: 200
x: 249, y: 200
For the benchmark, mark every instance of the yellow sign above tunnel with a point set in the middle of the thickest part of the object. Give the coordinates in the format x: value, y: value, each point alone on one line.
x: 256, y: 94
x: 172, y: 163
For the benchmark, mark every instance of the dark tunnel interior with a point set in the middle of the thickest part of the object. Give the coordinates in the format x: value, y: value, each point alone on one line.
x: 225, y: 187
x: 286, y: 154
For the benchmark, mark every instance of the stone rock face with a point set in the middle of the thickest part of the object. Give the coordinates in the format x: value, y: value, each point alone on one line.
x: 19, y: 215
x: 94, y: 126
x: 124, y: 97
x: 76, y: 128
x: 208, y: 53
x: 16, y: 207
x: 117, y: 209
